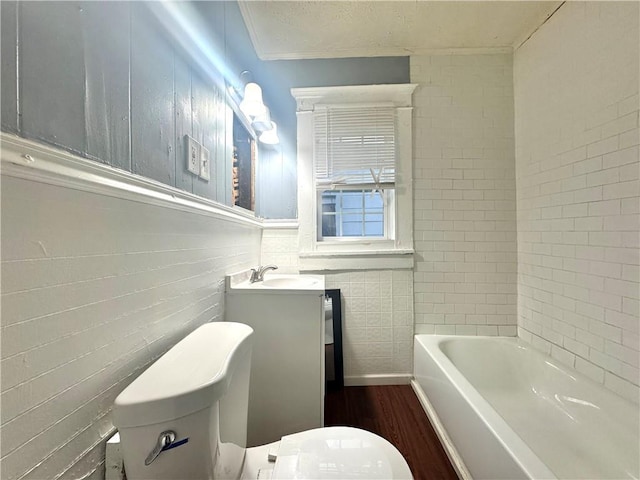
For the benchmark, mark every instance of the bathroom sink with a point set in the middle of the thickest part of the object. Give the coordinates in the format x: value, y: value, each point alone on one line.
x: 289, y: 281
x: 279, y: 283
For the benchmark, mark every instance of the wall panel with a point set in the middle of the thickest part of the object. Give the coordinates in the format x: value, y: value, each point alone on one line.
x: 106, y: 28
x: 152, y: 99
x: 52, y: 74
x: 185, y: 116
x: 206, y: 130
x: 8, y: 67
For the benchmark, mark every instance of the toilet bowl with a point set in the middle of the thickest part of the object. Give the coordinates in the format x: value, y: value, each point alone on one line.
x: 185, y: 417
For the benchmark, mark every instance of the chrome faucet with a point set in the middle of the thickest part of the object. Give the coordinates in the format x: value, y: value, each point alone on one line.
x: 257, y: 275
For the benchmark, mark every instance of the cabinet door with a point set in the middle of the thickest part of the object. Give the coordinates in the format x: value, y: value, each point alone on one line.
x: 287, y: 367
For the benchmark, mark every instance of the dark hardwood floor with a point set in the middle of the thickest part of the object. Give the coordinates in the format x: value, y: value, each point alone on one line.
x: 394, y: 413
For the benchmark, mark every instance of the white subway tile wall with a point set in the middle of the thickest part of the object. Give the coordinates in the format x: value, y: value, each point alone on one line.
x: 93, y: 289
x: 576, y: 124
x: 464, y: 195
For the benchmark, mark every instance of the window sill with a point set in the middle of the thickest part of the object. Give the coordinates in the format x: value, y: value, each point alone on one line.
x: 356, y: 260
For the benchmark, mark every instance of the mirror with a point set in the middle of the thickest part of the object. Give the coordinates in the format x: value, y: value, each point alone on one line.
x: 244, y: 164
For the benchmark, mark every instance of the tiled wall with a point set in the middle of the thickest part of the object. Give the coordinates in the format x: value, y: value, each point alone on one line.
x: 89, y: 298
x: 464, y: 195
x: 576, y: 104
x: 280, y: 247
x: 377, y: 311
x: 93, y: 289
x: 377, y: 322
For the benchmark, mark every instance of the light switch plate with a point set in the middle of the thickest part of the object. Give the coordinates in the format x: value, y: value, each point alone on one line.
x: 193, y: 155
x: 205, y: 164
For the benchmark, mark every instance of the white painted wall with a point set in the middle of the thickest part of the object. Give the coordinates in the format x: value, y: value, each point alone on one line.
x: 93, y: 289
x: 464, y: 195
x: 576, y: 125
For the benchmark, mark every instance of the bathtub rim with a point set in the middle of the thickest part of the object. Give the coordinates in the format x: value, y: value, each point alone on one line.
x: 510, y: 441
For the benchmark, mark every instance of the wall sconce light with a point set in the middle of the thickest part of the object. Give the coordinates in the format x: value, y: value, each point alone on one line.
x: 255, y: 110
x: 270, y: 137
x: 252, y: 105
x: 262, y: 123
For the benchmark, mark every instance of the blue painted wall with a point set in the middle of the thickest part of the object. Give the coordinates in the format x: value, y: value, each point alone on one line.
x: 107, y: 82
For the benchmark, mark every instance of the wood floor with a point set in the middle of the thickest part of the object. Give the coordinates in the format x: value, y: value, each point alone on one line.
x: 394, y: 413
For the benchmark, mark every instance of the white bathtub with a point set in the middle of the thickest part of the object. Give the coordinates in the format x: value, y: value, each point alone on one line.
x: 512, y: 412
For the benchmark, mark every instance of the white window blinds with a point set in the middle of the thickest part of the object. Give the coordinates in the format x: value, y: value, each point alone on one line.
x: 355, y: 146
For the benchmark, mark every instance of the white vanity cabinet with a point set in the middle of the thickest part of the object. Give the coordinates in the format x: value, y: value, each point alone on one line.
x: 286, y: 312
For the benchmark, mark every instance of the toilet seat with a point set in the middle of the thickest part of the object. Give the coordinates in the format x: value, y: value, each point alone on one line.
x: 329, y: 453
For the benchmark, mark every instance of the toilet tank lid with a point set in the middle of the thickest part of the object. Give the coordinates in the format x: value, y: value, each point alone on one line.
x: 192, y: 375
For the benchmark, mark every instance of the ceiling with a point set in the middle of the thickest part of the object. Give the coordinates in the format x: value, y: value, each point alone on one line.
x: 362, y: 28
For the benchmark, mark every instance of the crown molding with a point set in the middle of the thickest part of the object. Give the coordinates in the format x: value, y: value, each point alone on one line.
x: 250, y: 24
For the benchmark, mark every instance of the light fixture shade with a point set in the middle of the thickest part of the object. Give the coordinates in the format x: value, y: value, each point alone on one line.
x: 270, y: 137
x: 262, y: 123
x: 252, y: 105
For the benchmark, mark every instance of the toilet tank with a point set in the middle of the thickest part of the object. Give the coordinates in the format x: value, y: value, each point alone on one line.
x: 199, y: 389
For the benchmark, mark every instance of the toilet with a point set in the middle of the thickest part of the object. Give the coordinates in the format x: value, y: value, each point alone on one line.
x: 185, y: 417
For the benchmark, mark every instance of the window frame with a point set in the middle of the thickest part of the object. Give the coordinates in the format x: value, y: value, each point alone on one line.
x: 361, y: 252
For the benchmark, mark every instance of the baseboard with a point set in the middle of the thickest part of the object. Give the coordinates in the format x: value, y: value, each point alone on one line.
x: 390, y: 379
x: 447, y: 444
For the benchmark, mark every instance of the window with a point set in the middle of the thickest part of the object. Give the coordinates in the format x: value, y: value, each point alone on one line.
x: 355, y: 156
x: 355, y: 213
x: 354, y: 177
